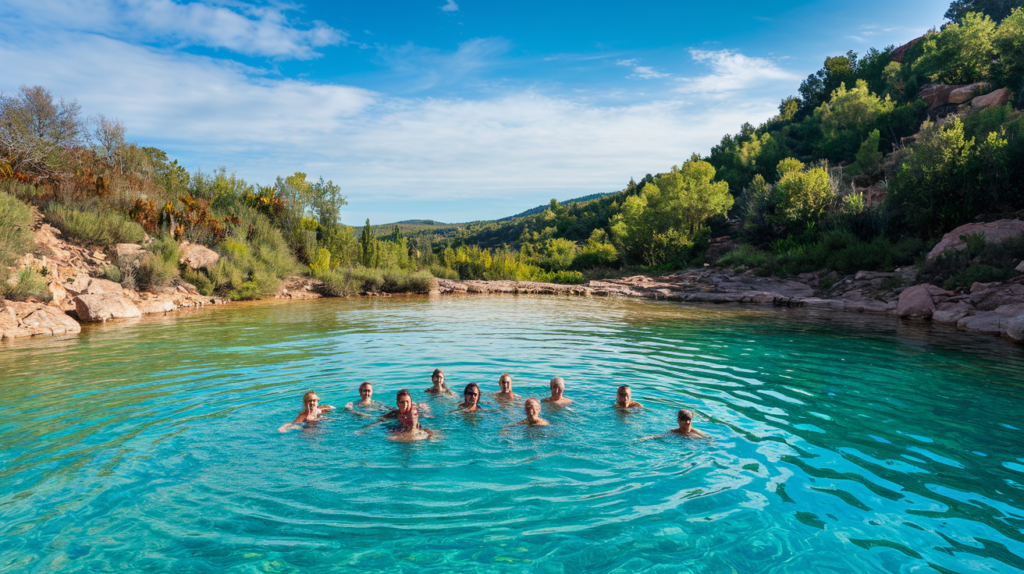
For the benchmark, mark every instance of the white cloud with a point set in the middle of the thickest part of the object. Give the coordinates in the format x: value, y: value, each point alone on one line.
x: 451, y: 6
x: 731, y: 71
x: 643, y: 72
x: 250, y: 30
x: 433, y: 67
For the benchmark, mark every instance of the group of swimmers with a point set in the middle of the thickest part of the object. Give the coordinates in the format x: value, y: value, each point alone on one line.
x: 407, y: 413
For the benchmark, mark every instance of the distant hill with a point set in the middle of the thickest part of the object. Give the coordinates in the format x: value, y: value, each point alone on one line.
x: 541, y: 208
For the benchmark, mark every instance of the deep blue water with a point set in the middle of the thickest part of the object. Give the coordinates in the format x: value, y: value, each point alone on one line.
x: 839, y: 445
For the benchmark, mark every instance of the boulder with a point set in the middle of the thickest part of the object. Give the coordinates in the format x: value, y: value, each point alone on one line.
x: 100, y: 307
x: 951, y: 312
x: 1020, y: 267
x: 990, y: 296
x: 995, y: 99
x: 197, y: 256
x: 967, y: 93
x: 29, y: 319
x: 994, y: 232
x: 936, y: 95
x: 917, y: 301
x: 129, y: 252
x: 1015, y: 328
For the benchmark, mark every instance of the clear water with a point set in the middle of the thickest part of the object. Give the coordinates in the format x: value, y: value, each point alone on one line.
x: 838, y: 446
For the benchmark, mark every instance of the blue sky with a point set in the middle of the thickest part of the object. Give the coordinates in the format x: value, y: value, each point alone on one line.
x: 453, y: 110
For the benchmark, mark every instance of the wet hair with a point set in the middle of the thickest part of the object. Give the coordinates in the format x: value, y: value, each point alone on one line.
x: 402, y: 393
x: 624, y: 387
x: 472, y: 386
x: 364, y: 383
x: 531, y: 400
x: 505, y: 376
x: 305, y: 397
x: 685, y: 414
x: 559, y: 381
x: 437, y: 372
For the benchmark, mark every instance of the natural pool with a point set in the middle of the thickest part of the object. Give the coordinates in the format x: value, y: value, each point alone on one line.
x: 839, y: 446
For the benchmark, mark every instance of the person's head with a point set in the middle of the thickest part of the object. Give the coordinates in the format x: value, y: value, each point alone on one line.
x: 310, y: 401
x: 403, y: 400
x: 366, y: 390
x: 505, y: 382
x: 532, y: 408
x: 685, y: 418
x: 438, y: 378
x: 471, y: 394
x: 625, y: 395
x: 557, y: 387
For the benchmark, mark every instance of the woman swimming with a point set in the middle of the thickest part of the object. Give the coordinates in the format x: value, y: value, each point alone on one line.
x: 366, y: 401
x: 471, y: 397
x: 311, y: 411
x: 439, y: 388
x: 532, y: 408
x: 505, y: 383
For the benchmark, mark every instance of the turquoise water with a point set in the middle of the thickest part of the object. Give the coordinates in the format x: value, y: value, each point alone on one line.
x: 839, y: 445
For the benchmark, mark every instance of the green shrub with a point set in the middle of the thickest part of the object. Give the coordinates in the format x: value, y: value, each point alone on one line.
x: 87, y: 226
x: 160, y: 267
x: 252, y: 264
x: 16, y: 236
x: 978, y: 272
x: 338, y: 283
x: 112, y: 273
x: 29, y: 283
x: 199, y: 279
x: 979, y: 261
x: 398, y: 281
x: 442, y: 272
x: 368, y: 280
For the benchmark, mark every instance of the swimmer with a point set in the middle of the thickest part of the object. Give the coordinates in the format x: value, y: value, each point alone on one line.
x: 414, y: 431
x: 557, y: 389
x: 505, y: 383
x: 471, y: 397
x: 685, y: 419
x: 439, y: 388
x: 311, y: 411
x: 366, y: 402
x: 532, y: 408
x: 624, y: 399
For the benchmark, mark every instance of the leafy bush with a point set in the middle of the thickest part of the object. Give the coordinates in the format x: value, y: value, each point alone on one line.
x: 112, y: 273
x: 838, y: 250
x: 16, y: 237
x: 160, y: 267
x: 88, y: 226
x: 199, y: 279
x: 442, y: 272
x: 597, y: 252
x: 29, y: 283
x: 398, y: 281
x: 338, y: 283
x: 253, y: 262
x: 978, y: 261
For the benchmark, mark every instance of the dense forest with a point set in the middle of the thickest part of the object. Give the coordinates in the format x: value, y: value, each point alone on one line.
x: 877, y: 156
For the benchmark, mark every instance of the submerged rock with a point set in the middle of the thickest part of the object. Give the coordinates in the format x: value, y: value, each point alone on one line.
x: 101, y: 307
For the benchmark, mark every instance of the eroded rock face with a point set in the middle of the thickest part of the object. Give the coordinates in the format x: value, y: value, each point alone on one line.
x: 29, y: 319
x: 101, y: 307
x: 995, y: 99
x: 995, y: 232
x: 197, y: 256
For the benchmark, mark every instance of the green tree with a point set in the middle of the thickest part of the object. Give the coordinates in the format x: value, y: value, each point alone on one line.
x: 868, y: 156
x: 961, y: 53
x: 368, y: 247
x: 847, y: 117
x: 801, y: 196
x: 1009, y: 46
x: 995, y: 9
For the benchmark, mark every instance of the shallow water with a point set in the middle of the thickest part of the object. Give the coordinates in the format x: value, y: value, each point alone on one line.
x: 839, y: 445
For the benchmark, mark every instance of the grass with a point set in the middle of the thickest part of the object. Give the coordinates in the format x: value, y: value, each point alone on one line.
x: 93, y: 227
x: 343, y: 282
x: 160, y: 267
x: 29, y: 283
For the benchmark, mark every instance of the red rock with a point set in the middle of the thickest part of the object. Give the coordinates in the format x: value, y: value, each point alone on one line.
x: 29, y: 319
x: 997, y: 98
x: 197, y: 256
x: 936, y: 94
x: 967, y: 93
x: 994, y: 232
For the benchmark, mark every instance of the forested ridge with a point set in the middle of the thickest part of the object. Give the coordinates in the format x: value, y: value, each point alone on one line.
x: 875, y: 157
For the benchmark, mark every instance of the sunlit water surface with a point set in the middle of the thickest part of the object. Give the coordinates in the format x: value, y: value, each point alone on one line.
x: 838, y: 446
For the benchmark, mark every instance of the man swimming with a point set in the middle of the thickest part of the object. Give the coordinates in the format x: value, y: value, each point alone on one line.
x: 471, y: 397
x: 557, y: 390
x: 505, y: 384
x: 439, y: 388
x: 624, y: 399
x: 311, y: 411
x: 413, y: 432
x: 366, y: 401
x: 685, y: 419
x: 532, y: 408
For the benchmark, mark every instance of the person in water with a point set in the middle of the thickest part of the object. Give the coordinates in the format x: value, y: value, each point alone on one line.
x: 411, y: 430
x: 311, y: 411
x: 471, y: 398
x: 685, y: 419
x: 505, y: 384
x: 366, y: 401
x: 532, y: 408
x: 624, y: 399
x: 557, y: 390
x: 439, y: 388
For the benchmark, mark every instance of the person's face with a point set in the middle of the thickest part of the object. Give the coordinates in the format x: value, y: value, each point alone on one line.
x: 625, y: 395
x: 532, y: 409
x: 366, y: 391
x: 312, y: 403
x: 404, y: 403
x: 472, y: 395
x: 556, y: 390
x: 506, y: 385
x: 438, y: 379
x: 684, y: 424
